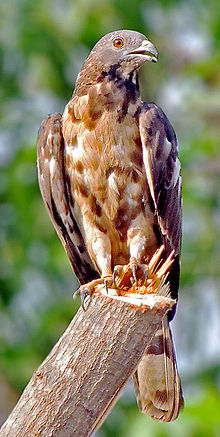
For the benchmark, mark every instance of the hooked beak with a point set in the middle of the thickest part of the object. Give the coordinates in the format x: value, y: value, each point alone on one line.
x: 147, y: 50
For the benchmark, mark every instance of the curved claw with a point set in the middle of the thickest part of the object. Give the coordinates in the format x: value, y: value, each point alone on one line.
x: 134, y: 268
x: 146, y: 276
x: 108, y: 282
x: 82, y: 293
x: 115, y: 274
x: 76, y: 293
x: 106, y: 285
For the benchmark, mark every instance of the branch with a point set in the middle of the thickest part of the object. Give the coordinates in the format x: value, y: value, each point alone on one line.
x: 78, y: 383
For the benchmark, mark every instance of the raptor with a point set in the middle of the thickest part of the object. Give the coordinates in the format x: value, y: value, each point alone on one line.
x: 109, y: 175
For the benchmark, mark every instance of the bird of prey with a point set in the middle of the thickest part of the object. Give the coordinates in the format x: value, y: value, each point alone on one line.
x: 109, y: 175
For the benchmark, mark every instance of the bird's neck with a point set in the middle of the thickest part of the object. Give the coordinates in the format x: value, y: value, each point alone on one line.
x: 91, y: 75
x: 111, y: 89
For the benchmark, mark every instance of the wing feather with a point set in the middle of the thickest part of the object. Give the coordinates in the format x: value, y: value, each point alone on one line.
x: 156, y: 380
x: 162, y: 166
x: 54, y: 190
x: 160, y: 153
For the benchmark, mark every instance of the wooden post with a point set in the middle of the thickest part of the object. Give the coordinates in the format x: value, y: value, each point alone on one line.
x: 77, y: 384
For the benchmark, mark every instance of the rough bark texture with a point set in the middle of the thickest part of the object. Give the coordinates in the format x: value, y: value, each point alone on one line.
x: 77, y: 384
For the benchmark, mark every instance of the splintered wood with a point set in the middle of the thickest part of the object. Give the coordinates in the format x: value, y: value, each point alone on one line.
x: 145, y: 293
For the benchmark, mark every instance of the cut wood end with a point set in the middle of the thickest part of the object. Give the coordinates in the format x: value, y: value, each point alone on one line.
x: 139, y: 300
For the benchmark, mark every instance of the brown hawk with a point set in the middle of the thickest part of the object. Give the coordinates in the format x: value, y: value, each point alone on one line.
x: 109, y: 175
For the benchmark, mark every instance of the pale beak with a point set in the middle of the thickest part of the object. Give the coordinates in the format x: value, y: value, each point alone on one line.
x: 147, y: 50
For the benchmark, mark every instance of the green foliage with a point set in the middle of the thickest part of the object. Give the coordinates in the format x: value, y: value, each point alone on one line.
x: 43, y: 44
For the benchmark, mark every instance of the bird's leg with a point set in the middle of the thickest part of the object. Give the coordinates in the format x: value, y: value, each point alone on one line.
x: 137, y: 244
x: 124, y: 276
x: 99, y: 248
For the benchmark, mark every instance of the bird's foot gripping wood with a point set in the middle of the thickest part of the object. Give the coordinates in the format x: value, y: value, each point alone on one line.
x: 132, y: 278
x: 88, y: 289
x: 142, y: 278
x: 130, y: 273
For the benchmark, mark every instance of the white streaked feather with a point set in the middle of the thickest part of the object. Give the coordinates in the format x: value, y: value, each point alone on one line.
x: 112, y: 183
x: 53, y: 166
x: 176, y: 173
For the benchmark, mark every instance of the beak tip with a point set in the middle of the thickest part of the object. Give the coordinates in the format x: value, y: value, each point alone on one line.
x: 148, y: 49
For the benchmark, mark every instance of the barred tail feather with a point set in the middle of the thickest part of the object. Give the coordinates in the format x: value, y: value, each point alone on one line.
x: 156, y: 380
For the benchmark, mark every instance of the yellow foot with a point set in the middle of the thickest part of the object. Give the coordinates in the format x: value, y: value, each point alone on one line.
x: 88, y: 289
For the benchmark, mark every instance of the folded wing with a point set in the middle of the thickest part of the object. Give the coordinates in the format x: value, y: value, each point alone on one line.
x: 156, y: 380
x: 56, y: 196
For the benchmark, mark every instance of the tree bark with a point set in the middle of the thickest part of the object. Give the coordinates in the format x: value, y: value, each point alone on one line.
x: 77, y: 384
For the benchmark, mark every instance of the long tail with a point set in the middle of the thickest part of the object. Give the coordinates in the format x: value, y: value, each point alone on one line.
x: 156, y: 381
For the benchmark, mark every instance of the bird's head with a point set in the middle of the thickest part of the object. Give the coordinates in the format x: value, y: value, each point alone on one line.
x: 127, y: 48
x: 123, y: 50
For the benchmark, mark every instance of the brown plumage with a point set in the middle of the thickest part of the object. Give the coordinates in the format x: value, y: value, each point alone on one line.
x: 110, y: 177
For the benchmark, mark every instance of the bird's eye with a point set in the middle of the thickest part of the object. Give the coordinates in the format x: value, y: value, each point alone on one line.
x: 118, y: 43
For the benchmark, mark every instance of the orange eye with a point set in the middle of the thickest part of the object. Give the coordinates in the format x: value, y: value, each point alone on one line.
x: 118, y: 43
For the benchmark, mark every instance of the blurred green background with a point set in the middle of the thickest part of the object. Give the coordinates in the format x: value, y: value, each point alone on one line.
x: 43, y: 44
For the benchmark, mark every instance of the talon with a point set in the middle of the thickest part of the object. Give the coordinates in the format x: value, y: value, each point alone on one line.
x: 146, y: 276
x: 76, y: 293
x: 83, y: 295
x: 115, y: 274
x: 86, y: 289
x: 132, y: 280
x: 134, y: 273
x: 106, y: 285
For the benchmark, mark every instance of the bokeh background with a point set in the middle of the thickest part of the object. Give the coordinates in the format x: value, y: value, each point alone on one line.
x: 43, y: 44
